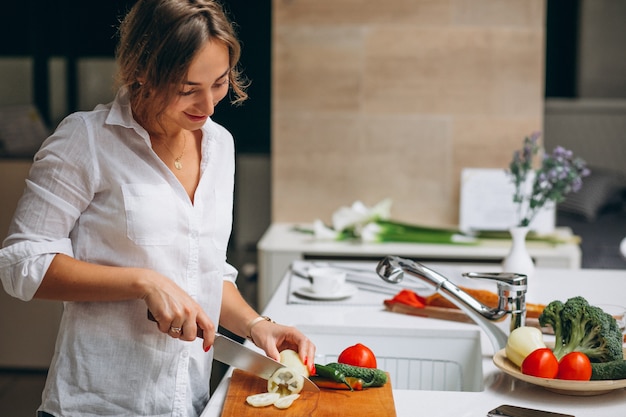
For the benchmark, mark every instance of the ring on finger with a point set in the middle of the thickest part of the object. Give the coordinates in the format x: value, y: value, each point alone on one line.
x: 176, y: 329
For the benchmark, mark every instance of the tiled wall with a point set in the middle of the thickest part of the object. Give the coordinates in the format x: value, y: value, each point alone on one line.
x: 392, y: 99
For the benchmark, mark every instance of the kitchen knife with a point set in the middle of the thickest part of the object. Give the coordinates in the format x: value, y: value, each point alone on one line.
x: 235, y: 354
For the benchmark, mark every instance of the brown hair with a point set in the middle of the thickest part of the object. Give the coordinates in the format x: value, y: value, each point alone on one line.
x: 158, y: 39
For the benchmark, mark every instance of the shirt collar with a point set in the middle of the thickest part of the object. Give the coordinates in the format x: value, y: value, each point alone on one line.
x: 121, y: 114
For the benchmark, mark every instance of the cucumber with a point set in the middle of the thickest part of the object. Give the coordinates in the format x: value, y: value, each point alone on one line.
x: 326, y: 371
x: 354, y: 384
x: 371, y: 377
x: 608, y: 370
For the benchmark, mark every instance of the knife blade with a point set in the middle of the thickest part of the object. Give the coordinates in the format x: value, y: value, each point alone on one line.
x: 235, y: 354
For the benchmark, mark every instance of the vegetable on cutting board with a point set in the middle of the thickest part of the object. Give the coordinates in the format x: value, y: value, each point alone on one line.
x: 284, y: 385
x: 263, y: 399
x: 353, y: 384
x: 285, y: 381
x: 358, y: 355
x: 331, y: 374
x: 371, y: 377
x: 286, y: 401
x: 291, y: 359
x: 341, y: 373
x: 350, y: 371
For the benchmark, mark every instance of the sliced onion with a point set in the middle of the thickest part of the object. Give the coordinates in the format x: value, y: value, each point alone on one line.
x: 263, y: 399
x: 285, y: 381
x: 286, y: 401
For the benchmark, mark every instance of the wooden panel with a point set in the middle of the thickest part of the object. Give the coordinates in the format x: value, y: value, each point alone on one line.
x: 392, y: 100
x: 354, y: 12
x: 344, y: 159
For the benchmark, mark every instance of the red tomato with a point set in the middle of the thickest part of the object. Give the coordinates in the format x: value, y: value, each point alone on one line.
x: 574, y: 366
x: 358, y: 355
x: 541, y: 363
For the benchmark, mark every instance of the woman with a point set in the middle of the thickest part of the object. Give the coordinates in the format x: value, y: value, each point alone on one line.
x: 128, y: 209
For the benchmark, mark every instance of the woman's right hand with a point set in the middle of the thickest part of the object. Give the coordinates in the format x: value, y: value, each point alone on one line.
x: 175, y: 312
x: 69, y: 279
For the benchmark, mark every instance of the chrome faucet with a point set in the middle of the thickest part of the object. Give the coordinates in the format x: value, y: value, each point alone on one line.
x: 511, y: 295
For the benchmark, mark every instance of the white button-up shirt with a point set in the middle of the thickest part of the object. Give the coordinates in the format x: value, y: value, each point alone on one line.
x: 98, y: 192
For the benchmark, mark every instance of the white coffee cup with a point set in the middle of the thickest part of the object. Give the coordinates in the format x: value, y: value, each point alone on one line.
x: 326, y: 281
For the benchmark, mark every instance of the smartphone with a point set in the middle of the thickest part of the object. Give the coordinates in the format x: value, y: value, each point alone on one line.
x: 514, y: 411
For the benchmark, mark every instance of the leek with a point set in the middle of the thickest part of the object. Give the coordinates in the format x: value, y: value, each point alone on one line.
x: 392, y: 231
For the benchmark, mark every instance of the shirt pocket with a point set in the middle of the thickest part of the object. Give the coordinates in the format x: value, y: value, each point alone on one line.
x: 150, y: 213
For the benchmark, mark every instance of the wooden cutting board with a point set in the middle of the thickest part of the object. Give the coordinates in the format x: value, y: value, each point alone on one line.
x: 326, y: 403
x: 428, y: 311
x: 442, y: 313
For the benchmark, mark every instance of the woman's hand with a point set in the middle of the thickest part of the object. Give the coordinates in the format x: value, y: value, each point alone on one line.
x: 176, y: 313
x: 240, y: 318
x: 274, y: 338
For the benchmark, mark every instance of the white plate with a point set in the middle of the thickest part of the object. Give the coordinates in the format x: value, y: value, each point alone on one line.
x: 348, y: 290
x: 560, y: 386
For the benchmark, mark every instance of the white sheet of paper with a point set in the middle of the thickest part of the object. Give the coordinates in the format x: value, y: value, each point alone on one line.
x: 487, y: 203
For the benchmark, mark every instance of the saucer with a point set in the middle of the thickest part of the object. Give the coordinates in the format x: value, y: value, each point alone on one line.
x: 346, y: 291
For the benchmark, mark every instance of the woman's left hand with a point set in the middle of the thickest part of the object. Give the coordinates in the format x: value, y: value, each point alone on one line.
x: 273, y: 338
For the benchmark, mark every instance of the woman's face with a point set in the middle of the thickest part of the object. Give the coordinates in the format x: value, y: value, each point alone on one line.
x: 206, y: 84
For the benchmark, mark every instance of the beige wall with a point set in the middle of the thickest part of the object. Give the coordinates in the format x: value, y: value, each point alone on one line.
x: 392, y: 99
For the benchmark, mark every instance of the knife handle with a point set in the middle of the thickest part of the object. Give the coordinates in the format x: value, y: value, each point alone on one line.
x: 200, y: 333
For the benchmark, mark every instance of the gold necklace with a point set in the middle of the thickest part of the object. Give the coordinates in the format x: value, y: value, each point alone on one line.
x: 177, y: 163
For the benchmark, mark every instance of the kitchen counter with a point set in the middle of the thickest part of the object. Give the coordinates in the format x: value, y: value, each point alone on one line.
x: 281, y: 245
x: 598, y: 286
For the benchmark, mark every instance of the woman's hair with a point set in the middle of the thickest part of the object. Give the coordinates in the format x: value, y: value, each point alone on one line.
x: 158, y: 39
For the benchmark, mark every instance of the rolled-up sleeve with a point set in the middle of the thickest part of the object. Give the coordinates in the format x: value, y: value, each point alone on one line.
x: 59, y: 187
x: 23, y: 265
x: 230, y: 274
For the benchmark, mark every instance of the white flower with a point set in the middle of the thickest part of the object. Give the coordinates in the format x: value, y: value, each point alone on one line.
x: 358, y: 215
x: 370, y: 233
x: 372, y: 225
x: 322, y: 232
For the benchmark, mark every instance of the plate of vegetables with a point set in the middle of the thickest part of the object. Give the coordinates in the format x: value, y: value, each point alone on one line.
x: 560, y: 386
x: 586, y: 359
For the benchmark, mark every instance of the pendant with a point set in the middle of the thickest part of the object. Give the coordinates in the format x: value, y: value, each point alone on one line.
x: 177, y: 164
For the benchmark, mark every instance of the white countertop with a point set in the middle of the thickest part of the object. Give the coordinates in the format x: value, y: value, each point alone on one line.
x: 281, y: 245
x: 281, y: 237
x: 597, y: 286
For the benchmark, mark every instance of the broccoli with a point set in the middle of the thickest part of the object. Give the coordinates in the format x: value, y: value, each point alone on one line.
x: 579, y: 326
x: 552, y: 315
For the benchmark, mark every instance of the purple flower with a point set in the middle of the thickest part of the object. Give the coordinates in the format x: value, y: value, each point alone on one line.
x: 559, y: 174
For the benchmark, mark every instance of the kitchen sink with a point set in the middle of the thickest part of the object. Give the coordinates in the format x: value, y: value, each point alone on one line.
x: 416, y: 359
